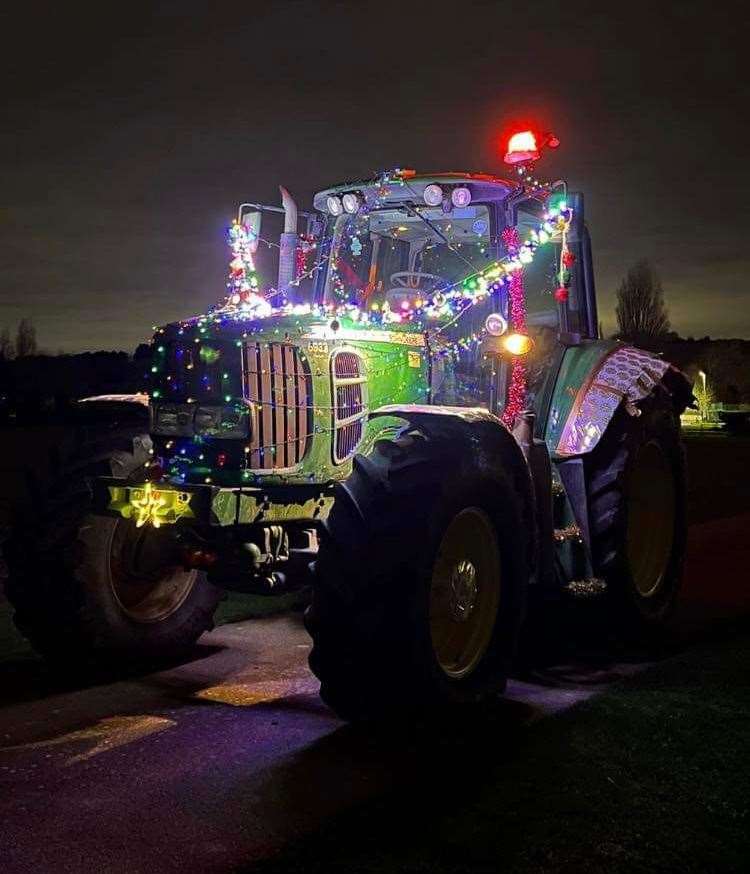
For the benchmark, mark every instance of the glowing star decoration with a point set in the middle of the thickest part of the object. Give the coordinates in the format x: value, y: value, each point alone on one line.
x: 145, y: 504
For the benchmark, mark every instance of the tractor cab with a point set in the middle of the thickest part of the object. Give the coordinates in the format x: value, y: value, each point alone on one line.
x: 416, y: 250
x: 393, y: 244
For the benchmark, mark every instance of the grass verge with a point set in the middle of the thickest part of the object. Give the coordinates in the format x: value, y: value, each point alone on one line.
x: 652, y: 776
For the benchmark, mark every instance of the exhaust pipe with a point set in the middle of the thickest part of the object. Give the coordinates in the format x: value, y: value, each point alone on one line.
x: 287, y: 241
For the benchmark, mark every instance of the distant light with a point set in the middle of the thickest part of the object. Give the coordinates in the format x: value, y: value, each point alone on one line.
x: 522, y: 147
x: 433, y: 195
x: 518, y: 344
x: 334, y: 205
x: 351, y: 202
x: 460, y: 197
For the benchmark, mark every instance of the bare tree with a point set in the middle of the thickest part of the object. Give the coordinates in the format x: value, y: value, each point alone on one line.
x: 641, y: 311
x: 7, y: 349
x: 26, y: 338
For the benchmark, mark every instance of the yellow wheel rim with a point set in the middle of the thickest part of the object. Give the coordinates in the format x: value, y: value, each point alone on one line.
x: 651, y: 519
x: 465, y: 593
x: 148, y: 586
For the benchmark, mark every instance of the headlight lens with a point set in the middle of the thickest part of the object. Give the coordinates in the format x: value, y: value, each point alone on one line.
x: 461, y: 197
x: 221, y: 422
x: 351, y: 202
x: 433, y: 195
x: 335, y: 207
x: 166, y: 417
x: 518, y: 344
x: 173, y: 419
x: 207, y: 420
x: 211, y: 421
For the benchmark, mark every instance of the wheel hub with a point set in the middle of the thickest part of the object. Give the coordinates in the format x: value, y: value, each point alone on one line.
x: 146, y: 579
x: 464, y: 590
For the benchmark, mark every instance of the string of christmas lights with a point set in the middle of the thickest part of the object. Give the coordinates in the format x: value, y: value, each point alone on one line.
x: 445, y: 304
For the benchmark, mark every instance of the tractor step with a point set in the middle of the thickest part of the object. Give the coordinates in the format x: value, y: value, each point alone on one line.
x: 590, y: 588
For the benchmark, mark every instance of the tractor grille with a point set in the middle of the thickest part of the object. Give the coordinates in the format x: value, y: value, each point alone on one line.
x: 349, y: 388
x: 277, y: 385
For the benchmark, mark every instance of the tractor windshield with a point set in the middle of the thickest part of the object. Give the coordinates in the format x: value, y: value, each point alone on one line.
x: 404, y: 254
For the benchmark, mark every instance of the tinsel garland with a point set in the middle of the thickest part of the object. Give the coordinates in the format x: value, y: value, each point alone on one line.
x: 517, y: 299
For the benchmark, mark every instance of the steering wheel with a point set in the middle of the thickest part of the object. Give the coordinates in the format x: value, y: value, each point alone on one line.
x: 407, y: 283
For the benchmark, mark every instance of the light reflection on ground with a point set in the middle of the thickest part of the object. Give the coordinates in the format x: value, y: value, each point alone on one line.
x: 105, y: 735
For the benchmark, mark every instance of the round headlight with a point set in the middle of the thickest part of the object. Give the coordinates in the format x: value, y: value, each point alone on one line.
x: 433, y: 195
x: 351, y: 202
x: 460, y: 197
x: 495, y: 325
x: 518, y: 344
x: 334, y: 205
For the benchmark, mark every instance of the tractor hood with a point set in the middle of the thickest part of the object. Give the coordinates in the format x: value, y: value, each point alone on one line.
x: 284, y: 326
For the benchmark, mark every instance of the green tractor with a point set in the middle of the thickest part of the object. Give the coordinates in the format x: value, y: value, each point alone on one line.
x: 424, y: 426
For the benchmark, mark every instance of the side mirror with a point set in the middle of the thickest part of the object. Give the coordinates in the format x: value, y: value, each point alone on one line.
x: 251, y: 220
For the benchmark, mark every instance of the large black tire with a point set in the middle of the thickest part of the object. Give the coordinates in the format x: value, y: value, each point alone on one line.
x: 73, y: 599
x: 636, y: 482
x: 386, y: 545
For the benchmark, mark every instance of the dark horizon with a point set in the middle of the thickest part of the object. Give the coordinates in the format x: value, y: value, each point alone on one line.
x: 131, y: 140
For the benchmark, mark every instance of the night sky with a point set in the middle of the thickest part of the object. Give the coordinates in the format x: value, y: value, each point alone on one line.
x: 129, y: 137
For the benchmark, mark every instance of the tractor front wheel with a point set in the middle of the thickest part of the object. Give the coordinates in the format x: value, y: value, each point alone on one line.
x: 85, y: 586
x: 419, y: 585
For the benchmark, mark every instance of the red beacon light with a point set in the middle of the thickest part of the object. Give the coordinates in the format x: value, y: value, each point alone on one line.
x: 523, y: 147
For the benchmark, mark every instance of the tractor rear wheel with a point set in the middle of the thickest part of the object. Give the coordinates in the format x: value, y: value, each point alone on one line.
x: 637, y: 509
x: 85, y: 585
x: 419, y: 583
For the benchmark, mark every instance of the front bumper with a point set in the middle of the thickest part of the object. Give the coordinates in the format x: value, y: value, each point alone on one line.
x: 164, y: 504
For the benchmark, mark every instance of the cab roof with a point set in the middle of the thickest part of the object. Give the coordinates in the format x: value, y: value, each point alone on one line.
x: 404, y: 185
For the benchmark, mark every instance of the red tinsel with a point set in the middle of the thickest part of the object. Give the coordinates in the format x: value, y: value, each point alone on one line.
x: 304, y: 247
x: 300, y: 261
x: 510, y: 238
x: 517, y: 388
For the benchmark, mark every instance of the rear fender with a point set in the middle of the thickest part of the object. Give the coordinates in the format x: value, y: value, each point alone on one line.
x: 594, y: 381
